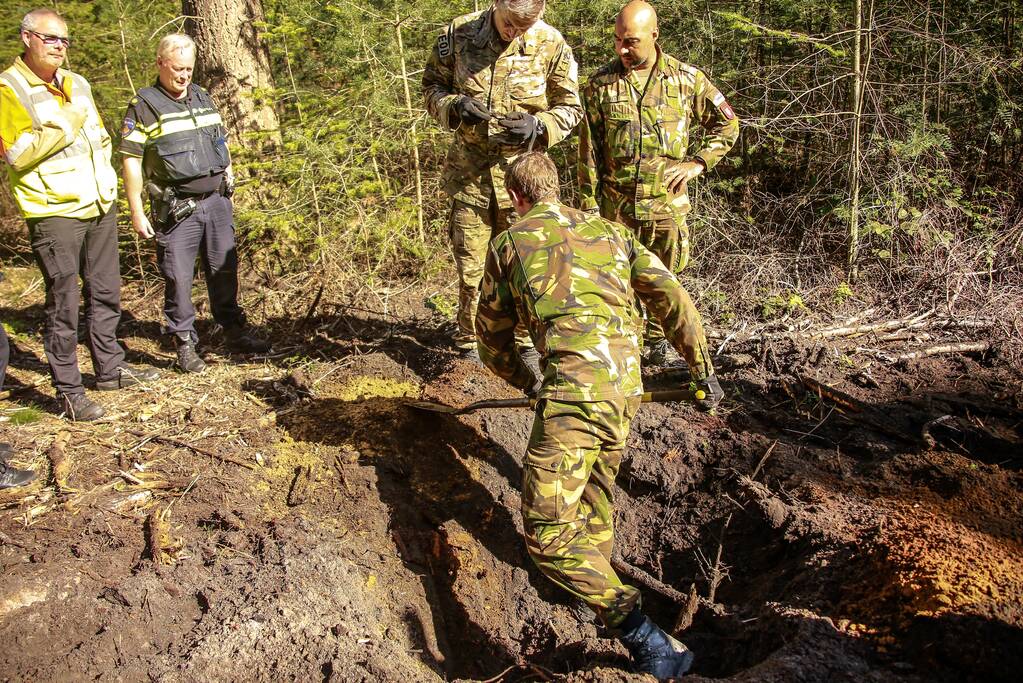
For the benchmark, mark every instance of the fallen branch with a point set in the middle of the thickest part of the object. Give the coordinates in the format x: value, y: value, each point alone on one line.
x: 917, y: 322
x: 642, y: 577
x: 965, y: 347
x: 196, y: 449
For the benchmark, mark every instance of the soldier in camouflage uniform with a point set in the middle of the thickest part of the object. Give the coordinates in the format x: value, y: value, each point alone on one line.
x: 634, y: 162
x: 572, y: 279
x: 505, y: 82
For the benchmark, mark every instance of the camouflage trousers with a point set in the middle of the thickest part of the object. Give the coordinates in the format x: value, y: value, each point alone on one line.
x: 669, y: 239
x: 470, y: 229
x: 574, y: 452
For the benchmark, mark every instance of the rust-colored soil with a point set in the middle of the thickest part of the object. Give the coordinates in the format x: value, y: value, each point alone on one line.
x: 313, y: 527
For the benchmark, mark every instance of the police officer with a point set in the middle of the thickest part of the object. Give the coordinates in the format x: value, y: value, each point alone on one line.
x: 58, y: 163
x: 572, y: 278
x: 504, y: 81
x: 634, y: 160
x: 174, y: 139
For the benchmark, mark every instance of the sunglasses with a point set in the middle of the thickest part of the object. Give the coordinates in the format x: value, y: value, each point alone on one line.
x: 52, y: 40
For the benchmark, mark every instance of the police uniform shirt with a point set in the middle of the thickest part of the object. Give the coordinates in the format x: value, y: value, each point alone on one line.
x: 182, y: 142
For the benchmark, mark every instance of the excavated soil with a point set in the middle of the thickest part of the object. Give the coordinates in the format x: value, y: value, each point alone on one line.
x: 290, y: 518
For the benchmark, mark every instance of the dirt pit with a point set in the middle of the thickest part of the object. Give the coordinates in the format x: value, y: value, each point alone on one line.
x: 296, y: 520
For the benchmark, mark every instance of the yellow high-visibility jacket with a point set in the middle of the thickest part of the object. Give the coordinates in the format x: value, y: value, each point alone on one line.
x: 58, y: 158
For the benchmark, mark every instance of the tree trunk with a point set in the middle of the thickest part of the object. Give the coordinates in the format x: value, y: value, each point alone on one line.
x: 856, y: 103
x: 413, y: 118
x: 233, y: 64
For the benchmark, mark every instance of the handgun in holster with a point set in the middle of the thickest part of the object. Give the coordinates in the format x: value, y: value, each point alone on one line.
x: 167, y: 209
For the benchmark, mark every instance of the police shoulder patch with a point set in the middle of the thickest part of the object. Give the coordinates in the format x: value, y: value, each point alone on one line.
x: 127, y: 127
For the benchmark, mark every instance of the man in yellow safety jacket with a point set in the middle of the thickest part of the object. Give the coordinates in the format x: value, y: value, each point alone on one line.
x: 58, y: 163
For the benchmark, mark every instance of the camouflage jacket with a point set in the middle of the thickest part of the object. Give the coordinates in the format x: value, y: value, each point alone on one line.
x: 629, y: 137
x: 572, y: 278
x: 535, y: 73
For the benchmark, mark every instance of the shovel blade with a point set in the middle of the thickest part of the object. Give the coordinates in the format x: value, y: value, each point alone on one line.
x: 430, y: 406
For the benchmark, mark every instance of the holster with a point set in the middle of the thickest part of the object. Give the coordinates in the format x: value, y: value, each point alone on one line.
x: 161, y: 203
x: 166, y: 208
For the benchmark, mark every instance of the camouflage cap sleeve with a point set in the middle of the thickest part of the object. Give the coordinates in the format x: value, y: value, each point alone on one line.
x: 565, y: 109
x: 661, y: 291
x: 496, y: 317
x: 716, y: 115
x: 438, y: 78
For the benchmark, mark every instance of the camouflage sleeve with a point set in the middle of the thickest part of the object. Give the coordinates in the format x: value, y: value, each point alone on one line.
x: 496, y: 318
x: 565, y: 109
x: 438, y: 79
x: 714, y: 113
x: 591, y: 135
x: 661, y: 291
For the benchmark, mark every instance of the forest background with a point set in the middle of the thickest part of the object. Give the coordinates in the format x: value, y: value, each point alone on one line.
x: 878, y: 164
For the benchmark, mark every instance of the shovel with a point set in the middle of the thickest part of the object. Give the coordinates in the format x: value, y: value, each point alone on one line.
x: 525, y: 402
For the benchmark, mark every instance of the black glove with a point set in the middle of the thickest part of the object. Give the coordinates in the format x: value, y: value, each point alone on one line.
x: 471, y: 111
x: 521, y: 129
x: 712, y: 388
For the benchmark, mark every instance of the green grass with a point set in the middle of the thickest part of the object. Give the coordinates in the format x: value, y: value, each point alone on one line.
x: 25, y: 416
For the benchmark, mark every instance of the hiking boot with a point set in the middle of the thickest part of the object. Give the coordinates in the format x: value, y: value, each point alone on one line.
x: 80, y: 408
x: 188, y: 358
x: 240, y: 340
x: 10, y: 477
x: 662, y: 353
x: 653, y: 651
x: 127, y: 376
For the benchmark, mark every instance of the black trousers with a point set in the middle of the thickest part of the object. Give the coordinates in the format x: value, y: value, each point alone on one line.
x: 66, y: 249
x: 209, y: 234
x: 5, y: 355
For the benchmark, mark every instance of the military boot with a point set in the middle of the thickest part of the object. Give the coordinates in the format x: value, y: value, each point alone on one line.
x: 188, y: 357
x: 653, y: 651
x: 80, y: 408
x: 241, y: 340
x: 10, y: 477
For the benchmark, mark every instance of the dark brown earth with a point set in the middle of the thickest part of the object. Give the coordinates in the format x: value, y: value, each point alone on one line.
x: 318, y: 529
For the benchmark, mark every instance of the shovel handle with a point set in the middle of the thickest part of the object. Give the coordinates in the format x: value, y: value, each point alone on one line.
x: 523, y: 402
x: 674, y: 395
x: 668, y: 396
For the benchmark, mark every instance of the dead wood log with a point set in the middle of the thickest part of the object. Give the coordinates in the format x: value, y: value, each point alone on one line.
x: 940, y: 349
x: 163, y: 548
x: 688, y: 613
x: 855, y: 409
x: 60, y: 468
x: 302, y: 485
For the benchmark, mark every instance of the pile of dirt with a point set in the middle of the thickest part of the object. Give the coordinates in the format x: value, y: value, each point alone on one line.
x: 291, y: 518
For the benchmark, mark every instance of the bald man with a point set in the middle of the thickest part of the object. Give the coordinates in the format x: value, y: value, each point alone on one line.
x: 634, y: 158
